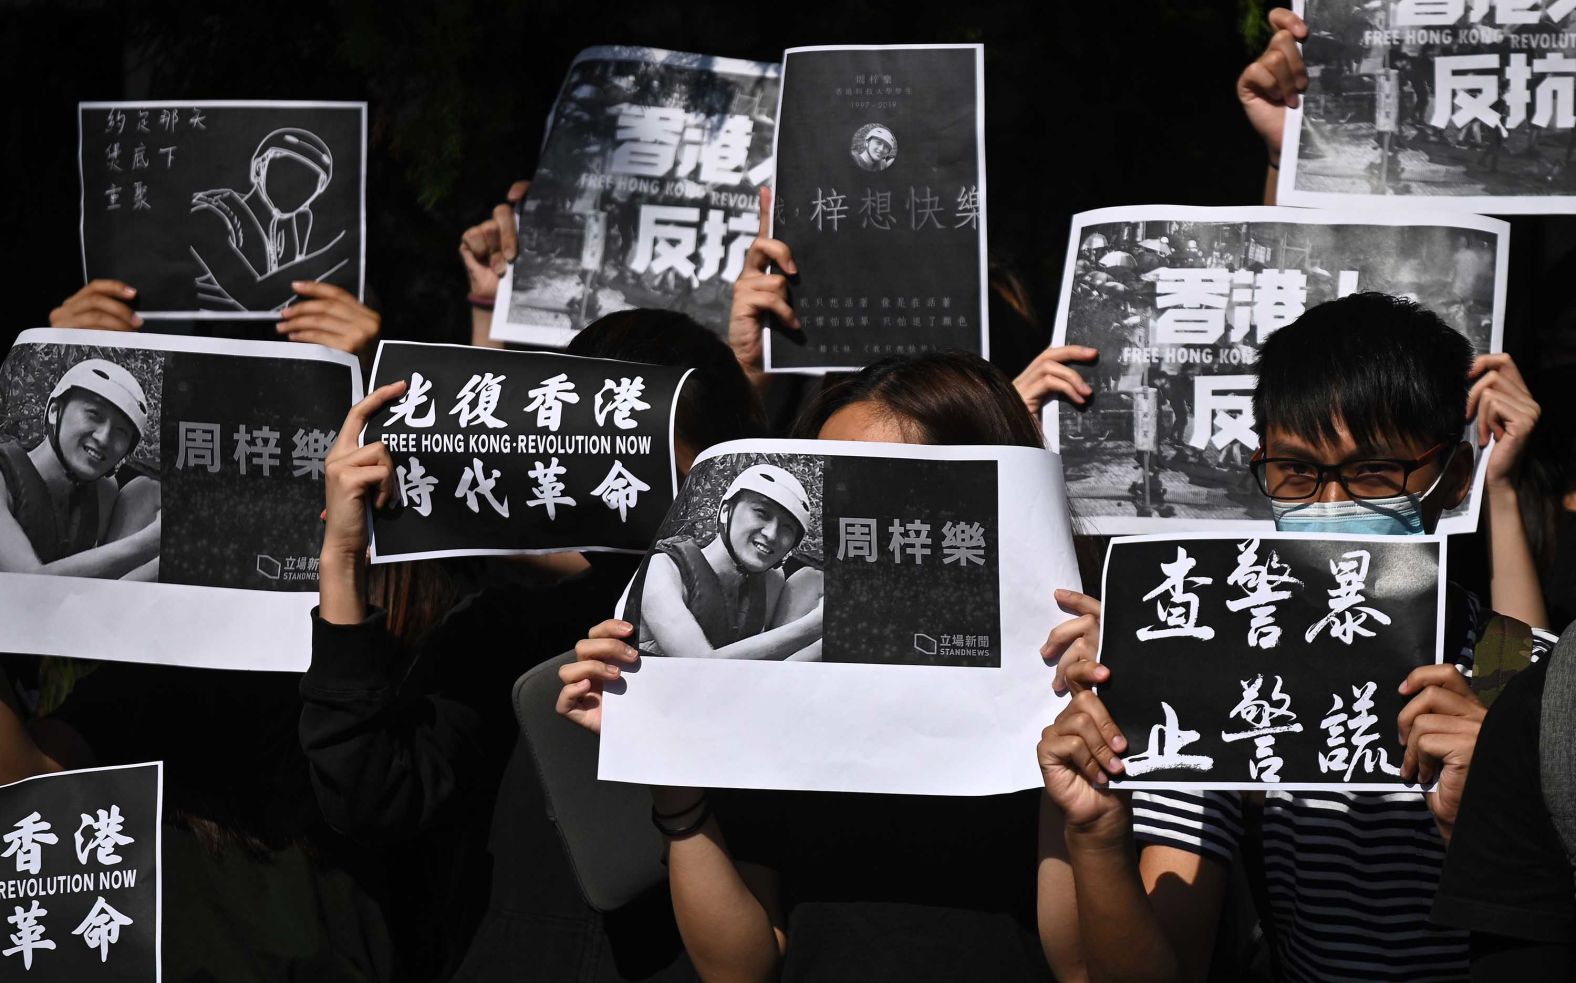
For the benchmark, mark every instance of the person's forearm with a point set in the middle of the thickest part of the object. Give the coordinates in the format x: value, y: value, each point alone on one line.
x: 1271, y: 182
x: 342, y: 592
x: 1514, y: 589
x: 1120, y: 936
x: 776, y: 643
x: 109, y: 561
x: 481, y: 328
x: 726, y: 929
x: 20, y: 756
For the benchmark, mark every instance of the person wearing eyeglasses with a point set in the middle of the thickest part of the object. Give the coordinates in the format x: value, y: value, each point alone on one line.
x: 1361, y: 408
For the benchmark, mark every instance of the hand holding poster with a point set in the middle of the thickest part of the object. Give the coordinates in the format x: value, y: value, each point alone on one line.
x: 211, y: 209
x: 159, y: 495
x: 646, y: 194
x: 1178, y: 299
x: 81, y: 877
x: 1272, y: 661
x: 1468, y: 105
x: 880, y: 193
x: 791, y: 573
x: 500, y: 452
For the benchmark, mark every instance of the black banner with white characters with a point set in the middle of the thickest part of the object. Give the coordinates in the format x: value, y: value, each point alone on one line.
x: 1268, y: 661
x: 1177, y: 301
x: 162, y: 494
x: 500, y: 452
x: 211, y: 209
x: 880, y: 194
x: 646, y: 193
x: 80, y: 875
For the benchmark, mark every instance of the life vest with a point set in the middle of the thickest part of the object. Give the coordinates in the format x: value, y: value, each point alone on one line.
x: 34, y: 510
x: 706, y: 599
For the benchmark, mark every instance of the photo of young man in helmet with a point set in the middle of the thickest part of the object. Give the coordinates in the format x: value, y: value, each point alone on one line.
x: 63, y: 511
x: 727, y: 596
x: 254, y: 243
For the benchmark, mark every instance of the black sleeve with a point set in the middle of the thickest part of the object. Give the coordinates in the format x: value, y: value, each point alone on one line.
x: 387, y: 760
x: 1496, y: 958
x: 1506, y: 872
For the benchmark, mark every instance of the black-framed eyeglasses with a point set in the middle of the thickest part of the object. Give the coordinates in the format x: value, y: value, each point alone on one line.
x: 1291, y: 479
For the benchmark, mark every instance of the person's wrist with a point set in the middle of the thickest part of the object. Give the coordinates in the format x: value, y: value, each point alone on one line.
x: 1108, y: 831
x: 339, y: 562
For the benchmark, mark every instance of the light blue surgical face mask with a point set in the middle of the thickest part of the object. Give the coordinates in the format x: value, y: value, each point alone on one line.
x: 1398, y: 515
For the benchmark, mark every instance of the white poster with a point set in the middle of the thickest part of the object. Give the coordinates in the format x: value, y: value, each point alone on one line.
x: 836, y: 616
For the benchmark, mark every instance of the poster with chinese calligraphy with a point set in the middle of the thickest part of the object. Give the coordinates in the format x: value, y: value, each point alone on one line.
x: 211, y: 209
x: 500, y: 452
x: 646, y: 193
x: 80, y: 875
x: 880, y: 193
x: 790, y: 574
x: 1469, y: 105
x: 161, y: 495
x: 1267, y: 662
x: 1177, y: 301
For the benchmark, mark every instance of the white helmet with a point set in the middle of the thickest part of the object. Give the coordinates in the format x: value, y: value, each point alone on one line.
x: 111, y: 382
x: 771, y: 482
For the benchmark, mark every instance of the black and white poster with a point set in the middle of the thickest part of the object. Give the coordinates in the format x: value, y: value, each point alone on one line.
x: 211, y: 209
x: 646, y: 193
x: 789, y: 571
x: 500, y: 452
x: 1266, y: 662
x: 80, y: 876
x: 1467, y: 104
x: 1177, y: 300
x: 161, y: 495
x: 880, y: 193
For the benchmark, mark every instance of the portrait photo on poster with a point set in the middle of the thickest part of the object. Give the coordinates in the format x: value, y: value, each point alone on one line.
x: 645, y: 194
x: 1177, y: 301
x: 499, y: 453
x: 880, y: 194
x: 1457, y: 106
x: 804, y: 557
x: 82, y: 871
x: 920, y: 576
x: 210, y: 209
x: 1266, y: 662
x: 172, y: 480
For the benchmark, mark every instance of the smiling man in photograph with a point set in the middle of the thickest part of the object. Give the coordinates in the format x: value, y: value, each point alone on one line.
x: 64, y: 513
x: 729, y: 598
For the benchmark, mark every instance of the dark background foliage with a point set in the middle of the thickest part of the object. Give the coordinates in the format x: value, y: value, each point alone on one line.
x: 1088, y: 105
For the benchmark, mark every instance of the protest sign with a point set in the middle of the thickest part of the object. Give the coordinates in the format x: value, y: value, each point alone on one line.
x: 1467, y: 105
x: 1268, y: 662
x: 880, y: 193
x: 500, y: 452
x: 1177, y: 301
x: 162, y: 495
x: 80, y: 875
x: 210, y: 209
x: 646, y: 193
x: 791, y: 573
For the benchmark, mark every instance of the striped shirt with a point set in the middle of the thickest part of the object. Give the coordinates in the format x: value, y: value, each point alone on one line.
x: 1349, y: 876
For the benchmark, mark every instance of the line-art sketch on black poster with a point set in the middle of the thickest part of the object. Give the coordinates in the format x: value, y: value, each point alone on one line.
x: 269, y: 226
x: 212, y: 209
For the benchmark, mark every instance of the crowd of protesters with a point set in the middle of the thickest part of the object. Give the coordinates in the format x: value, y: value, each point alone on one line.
x: 382, y: 816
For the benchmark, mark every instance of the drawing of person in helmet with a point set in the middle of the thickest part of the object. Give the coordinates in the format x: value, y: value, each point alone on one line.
x: 64, y: 513
x: 729, y: 598
x: 260, y: 240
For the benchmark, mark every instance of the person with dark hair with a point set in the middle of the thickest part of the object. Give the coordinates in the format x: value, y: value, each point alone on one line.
x: 1360, y: 406
x: 410, y: 738
x: 842, y: 886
